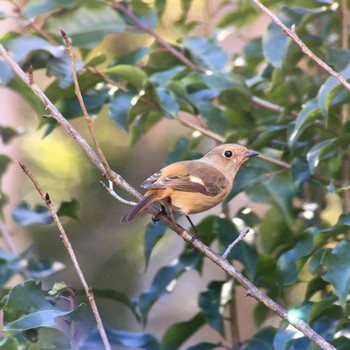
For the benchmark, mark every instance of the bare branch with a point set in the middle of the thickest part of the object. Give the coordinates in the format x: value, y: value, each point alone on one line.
x: 88, y: 291
x: 234, y: 243
x: 293, y: 35
x: 109, y: 189
x: 77, y: 90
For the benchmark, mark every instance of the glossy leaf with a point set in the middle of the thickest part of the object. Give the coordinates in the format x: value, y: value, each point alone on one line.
x: 263, y: 340
x: 154, y: 233
x: 27, y: 308
x: 178, y: 333
x: 122, y: 338
x: 69, y: 209
x: 206, y: 53
x: 165, y: 280
x: 306, y: 117
x: 330, y: 90
x: 85, y: 25
x: 24, y: 216
x: 119, y: 106
x: 322, y: 150
x: 211, y: 305
x: 133, y: 75
x: 338, y: 274
x: 38, y: 7
x: 7, y: 134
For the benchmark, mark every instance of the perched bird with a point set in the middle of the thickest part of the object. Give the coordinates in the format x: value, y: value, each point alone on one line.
x: 193, y: 186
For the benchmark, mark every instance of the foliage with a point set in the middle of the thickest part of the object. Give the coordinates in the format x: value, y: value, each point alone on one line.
x: 294, y: 243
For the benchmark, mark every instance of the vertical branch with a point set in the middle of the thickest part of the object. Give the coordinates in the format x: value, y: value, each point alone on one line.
x: 345, y: 110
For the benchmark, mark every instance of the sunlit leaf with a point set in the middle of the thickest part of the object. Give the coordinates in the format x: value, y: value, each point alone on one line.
x: 133, y: 75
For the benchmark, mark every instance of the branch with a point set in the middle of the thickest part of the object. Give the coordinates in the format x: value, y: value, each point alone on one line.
x: 234, y: 243
x: 77, y: 90
x: 88, y: 291
x: 252, y: 290
x: 293, y: 35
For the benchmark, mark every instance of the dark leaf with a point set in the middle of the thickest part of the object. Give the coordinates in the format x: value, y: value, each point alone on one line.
x: 27, y: 307
x: 178, y: 333
x: 38, y: 7
x: 119, y: 106
x: 211, y: 305
x: 85, y: 25
x: 69, y: 209
x: 154, y: 233
x: 165, y: 280
x: 263, y: 340
x: 336, y: 261
x: 50, y: 338
x: 7, y: 134
x: 41, y: 268
x: 206, y: 53
x: 24, y: 216
x: 128, y: 339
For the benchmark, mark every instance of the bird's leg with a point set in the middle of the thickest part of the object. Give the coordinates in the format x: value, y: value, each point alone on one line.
x: 170, y: 211
x: 162, y: 211
x: 196, y: 233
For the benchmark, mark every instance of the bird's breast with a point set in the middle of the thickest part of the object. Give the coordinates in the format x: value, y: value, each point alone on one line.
x: 194, y: 202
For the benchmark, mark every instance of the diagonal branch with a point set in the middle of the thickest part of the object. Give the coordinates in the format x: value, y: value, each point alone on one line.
x: 293, y: 35
x: 88, y: 291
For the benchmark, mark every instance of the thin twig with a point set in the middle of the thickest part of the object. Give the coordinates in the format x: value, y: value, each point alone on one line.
x: 345, y: 109
x: 46, y: 198
x: 293, y: 35
x: 252, y: 290
x: 109, y: 189
x: 77, y: 90
x: 237, y: 240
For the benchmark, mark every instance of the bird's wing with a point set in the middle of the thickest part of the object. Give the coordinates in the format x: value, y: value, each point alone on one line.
x: 207, y: 181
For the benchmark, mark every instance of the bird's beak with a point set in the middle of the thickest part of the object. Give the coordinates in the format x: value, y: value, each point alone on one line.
x: 251, y: 154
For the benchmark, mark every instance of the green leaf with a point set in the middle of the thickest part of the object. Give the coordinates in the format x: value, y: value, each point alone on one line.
x: 119, y: 297
x: 133, y: 57
x: 214, y: 116
x: 7, y: 134
x: 178, y: 333
x: 165, y: 280
x: 86, y: 26
x: 154, y: 232
x: 9, y: 343
x: 41, y: 268
x: 38, y: 7
x: 268, y: 135
x: 69, y: 209
x: 323, y: 150
x: 133, y: 75
x: 306, y: 117
x: 122, y: 338
x: 263, y: 340
x: 329, y: 92
x: 210, y: 303
x: 336, y: 261
x: 300, y: 171
x: 168, y: 103
x: 49, y: 338
x: 24, y: 216
x: 204, y: 346
x: 288, y: 261
x: 275, y: 42
x: 118, y: 108
x: 27, y: 307
x: 10, y: 264
x: 4, y: 163
x: 206, y: 53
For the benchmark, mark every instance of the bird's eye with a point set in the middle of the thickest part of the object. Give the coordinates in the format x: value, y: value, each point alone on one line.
x: 228, y: 154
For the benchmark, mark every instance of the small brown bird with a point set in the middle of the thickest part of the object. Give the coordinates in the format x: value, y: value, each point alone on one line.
x: 193, y: 186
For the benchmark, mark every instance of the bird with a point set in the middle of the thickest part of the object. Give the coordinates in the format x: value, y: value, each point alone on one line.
x: 193, y: 186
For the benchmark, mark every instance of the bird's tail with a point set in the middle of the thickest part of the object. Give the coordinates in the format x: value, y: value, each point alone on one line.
x: 144, y: 203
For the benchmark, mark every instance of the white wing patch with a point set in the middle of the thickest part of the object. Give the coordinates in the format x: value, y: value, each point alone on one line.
x: 196, y: 180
